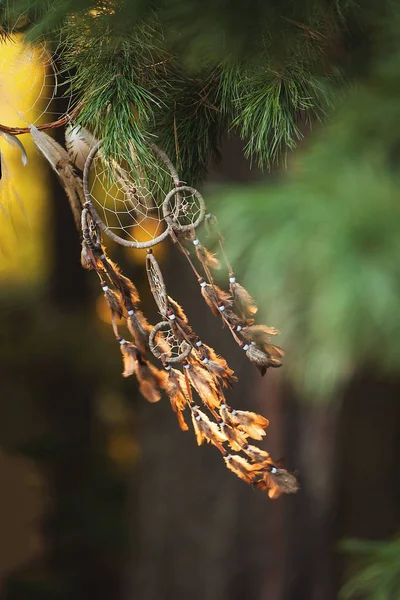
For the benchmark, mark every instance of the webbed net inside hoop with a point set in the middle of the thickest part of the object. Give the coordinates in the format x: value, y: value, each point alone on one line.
x: 35, y: 68
x: 184, y: 208
x: 129, y: 202
x: 164, y: 345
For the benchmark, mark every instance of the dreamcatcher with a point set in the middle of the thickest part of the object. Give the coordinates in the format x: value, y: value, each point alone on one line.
x: 139, y: 208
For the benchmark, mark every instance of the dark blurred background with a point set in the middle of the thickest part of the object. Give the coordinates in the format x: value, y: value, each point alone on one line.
x: 102, y: 496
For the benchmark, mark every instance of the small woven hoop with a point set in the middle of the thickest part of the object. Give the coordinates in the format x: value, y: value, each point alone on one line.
x: 167, y: 213
x: 96, y: 217
x: 157, y: 285
x: 165, y: 325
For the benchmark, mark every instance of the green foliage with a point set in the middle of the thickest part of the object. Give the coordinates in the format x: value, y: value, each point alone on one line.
x: 319, y: 247
x: 377, y: 576
x: 186, y: 72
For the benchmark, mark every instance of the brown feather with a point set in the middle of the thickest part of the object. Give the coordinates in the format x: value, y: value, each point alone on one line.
x: 233, y: 319
x: 129, y: 357
x: 220, y: 369
x: 257, y: 454
x: 236, y: 439
x: 206, y: 430
x: 207, y: 258
x: 214, y: 296
x: 150, y: 379
x: 88, y: 261
x: 278, y: 482
x: 251, y: 423
x: 260, y: 334
x: 217, y: 365
x: 114, y: 302
x: 203, y: 383
x: 177, y: 309
x: 140, y: 329
x: 242, y: 469
x: 261, y: 359
x: 128, y: 290
x: 243, y: 302
x: 175, y: 387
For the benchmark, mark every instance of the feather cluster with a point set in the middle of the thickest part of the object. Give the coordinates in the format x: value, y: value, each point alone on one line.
x: 176, y: 389
x: 243, y: 302
x: 215, y: 297
x: 207, y: 258
x: 205, y: 373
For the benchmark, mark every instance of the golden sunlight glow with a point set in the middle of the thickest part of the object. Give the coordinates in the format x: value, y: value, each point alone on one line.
x: 23, y: 190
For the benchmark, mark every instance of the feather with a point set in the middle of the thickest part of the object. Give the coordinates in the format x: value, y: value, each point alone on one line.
x: 203, y: 383
x: 86, y: 257
x: 129, y: 357
x: 206, y: 430
x: 128, y: 290
x: 183, y: 332
x: 177, y: 309
x: 236, y: 439
x: 233, y: 319
x: 14, y: 141
x: 175, y: 387
x: 243, y: 469
x: 257, y: 454
x: 242, y: 301
x: 113, y: 300
x: 58, y: 159
x: 78, y: 141
x: 139, y: 328
x: 277, y: 481
x: 217, y: 365
x: 263, y: 359
x: 207, y: 258
x: 251, y: 423
x: 260, y: 334
x: 215, y: 297
x: 150, y: 379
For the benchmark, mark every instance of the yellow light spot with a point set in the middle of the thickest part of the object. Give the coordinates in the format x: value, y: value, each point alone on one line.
x: 23, y: 191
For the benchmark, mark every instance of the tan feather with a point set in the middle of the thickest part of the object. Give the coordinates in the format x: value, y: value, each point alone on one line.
x: 128, y: 290
x: 257, y: 454
x: 203, y: 383
x: 233, y: 319
x: 262, y: 359
x: 251, y: 423
x: 129, y: 357
x: 236, y: 439
x: 88, y: 261
x: 207, y: 258
x: 177, y: 309
x: 58, y: 159
x: 114, y: 301
x: 277, y: 481
x: 260, y: 334
x: 150, y: 379
x: 215, y: 297
x: 139, y: 328
x: 78, y: 142
x: 241, y: 467
x: 243, y: 302
x: 220, y: 369
x: 175, y: 387
x: 206, y: 430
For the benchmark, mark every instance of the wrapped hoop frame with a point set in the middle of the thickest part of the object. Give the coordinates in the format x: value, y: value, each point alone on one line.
x: 183, y: 346
x: 96, y: 217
